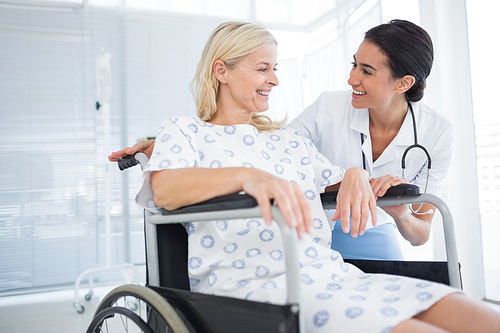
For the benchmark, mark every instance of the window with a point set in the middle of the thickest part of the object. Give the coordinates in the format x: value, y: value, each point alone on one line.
x: 481, y: 17
x: 52, y: 193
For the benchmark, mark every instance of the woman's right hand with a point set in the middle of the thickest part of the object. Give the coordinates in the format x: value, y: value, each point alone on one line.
x: 355, y: 202
x: 144, y: 146
x: 288, y: 196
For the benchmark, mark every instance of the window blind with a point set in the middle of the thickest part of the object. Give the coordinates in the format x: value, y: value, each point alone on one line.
x: 48, y: 191
x: 52, y: 208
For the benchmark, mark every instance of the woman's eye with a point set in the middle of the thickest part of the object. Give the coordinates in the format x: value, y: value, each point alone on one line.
x: 354, y: 65
x: 263, y: 69
x: 367, y: 72
x: 275, y: 69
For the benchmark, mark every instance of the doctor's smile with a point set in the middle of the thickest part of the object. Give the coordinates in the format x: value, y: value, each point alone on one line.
x: 357, y: 93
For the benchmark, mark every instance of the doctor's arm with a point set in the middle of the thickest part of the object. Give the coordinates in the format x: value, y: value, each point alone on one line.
x: 415, y: 228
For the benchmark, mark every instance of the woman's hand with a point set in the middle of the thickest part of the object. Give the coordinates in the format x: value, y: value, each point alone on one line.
x: 288, y: 197
x: 355, y: 201
x: 144, y: 146
x: 380, y: 186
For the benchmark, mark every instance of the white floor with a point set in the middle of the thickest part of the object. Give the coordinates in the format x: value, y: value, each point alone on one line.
x: 53, y: 312
x: 48, y: 312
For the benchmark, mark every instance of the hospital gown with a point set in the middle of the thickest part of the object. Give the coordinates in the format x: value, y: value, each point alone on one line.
x: 244, y: 258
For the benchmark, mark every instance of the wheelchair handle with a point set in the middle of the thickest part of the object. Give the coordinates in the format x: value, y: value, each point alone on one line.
x: 129, y: 161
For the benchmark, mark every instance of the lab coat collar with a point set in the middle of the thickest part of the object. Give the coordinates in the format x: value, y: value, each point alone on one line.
x: 405, y: 135
x: 360, y: 124
x: 360, y: 121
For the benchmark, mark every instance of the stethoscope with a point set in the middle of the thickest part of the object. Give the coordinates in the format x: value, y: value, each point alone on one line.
x: 403, y: 159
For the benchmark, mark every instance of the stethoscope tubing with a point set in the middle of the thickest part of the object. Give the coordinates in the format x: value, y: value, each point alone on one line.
x: 403, y: 158
x: 415, y: 144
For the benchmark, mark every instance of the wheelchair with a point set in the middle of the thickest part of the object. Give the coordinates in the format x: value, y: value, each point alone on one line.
x: 166, y: 304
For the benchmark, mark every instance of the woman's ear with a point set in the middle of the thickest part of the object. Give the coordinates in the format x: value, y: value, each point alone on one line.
x: 220, y: 69
x: 405, y: 83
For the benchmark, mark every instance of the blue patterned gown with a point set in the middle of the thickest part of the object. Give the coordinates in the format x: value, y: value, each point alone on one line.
x: 244, y: 258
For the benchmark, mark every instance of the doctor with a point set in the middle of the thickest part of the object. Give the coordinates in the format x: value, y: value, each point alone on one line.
x: 372, y: 126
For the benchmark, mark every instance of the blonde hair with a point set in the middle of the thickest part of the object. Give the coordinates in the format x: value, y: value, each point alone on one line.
x: 229, y: 42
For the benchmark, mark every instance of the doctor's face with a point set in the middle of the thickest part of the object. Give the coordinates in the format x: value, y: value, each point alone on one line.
x: 371, y: 80
x: 252, y: 80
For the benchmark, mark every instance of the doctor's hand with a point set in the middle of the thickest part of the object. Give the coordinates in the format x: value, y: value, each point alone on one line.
x: 355, y: 202
x: 380, y: 185
x: 144, y: 146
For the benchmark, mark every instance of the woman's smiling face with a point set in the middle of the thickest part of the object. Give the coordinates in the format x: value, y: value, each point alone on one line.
x: 252, y: 80
x: 371, y: 78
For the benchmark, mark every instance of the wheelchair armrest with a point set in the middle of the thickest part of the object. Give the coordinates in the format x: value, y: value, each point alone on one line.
x: 239, y: 201
x: 329, y: 199
x: 224, y: 202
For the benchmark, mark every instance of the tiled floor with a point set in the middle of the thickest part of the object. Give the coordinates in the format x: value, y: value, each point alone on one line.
x: 53, y: 312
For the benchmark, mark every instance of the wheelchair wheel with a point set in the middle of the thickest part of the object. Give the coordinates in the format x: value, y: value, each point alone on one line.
x: 134, y: 308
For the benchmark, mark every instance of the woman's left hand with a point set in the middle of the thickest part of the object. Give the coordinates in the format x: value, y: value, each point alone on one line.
x: 355, y: 202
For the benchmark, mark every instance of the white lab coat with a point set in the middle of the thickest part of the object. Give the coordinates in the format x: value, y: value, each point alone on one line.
x: 335, y: 126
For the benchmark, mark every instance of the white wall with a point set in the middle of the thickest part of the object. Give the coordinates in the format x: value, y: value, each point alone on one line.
x: 449, y: 90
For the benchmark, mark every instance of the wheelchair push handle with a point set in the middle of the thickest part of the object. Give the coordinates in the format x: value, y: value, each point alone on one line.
x: 126, y: 162
x: 129, y: 161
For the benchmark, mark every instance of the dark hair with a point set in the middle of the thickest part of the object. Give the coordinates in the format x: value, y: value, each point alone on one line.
x: 409, y: 51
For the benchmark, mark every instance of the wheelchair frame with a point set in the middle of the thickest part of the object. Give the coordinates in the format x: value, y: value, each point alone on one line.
x: 199, y: 312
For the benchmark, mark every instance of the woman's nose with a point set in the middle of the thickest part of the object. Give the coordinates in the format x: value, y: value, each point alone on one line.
x: 273, y: 79
x: 353, y: 79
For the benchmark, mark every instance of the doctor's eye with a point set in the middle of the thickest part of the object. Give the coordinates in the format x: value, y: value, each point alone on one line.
x: 354, y: 65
